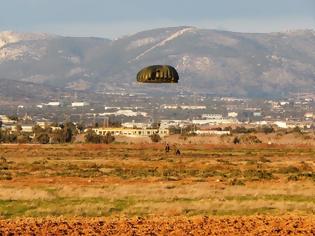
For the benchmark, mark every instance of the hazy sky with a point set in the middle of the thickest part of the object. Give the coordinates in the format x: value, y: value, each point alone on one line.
x: 114, y: 18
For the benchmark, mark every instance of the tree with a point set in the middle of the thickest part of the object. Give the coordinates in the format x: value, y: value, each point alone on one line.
x: 57, y: 136
x: 174, y: 130
x: 22, y: 138
x: 243, y: 130
x: 267, y: 129
x: 236, y: 140
x: 80, y: 127
x: 68, y: 134
x: 1, y: 136
x: 155, y: 138
x: 297, y: 129
x: 92, y: 137
x: 18, y: 129
x: 228, y: 128
x: 42, y: 138
x: 13, y: 117
x: 37, y: 129
x: 108, y: 138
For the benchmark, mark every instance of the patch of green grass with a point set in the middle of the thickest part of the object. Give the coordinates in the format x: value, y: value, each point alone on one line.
x: 63, y: 206
x: 121, y: 205
x: 10, y: 208
x: 273, y: 197
x: 290, y: 198
x: 239, y: 212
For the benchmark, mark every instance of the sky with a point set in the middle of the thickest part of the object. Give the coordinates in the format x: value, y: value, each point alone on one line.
x: 116, y: 18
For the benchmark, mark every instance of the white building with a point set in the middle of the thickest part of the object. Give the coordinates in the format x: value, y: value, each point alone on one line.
x: 281, y: 124
x: 128, y: 113
x: 165, y: 106
x: 211, y: 116
x: 193, y: 107
x: 24, y: 128
x: 184, y: 107
x: 174, y: 123
x: 257, y: 114
x: 232, y: 114
x: 263, y: 122
x: 6, y: 120
x: 54, y: 104
x: 283, y: 103
x: 130, y: 132
x: 111, y: 108
x: 309, y: 115
x: 215, y: 121
x: 212, y: 132
x: 80, y: 104
x: 43, y: 124
x: 135, y: 125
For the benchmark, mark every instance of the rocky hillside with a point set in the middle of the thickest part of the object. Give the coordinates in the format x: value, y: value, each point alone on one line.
x: 218, y: 62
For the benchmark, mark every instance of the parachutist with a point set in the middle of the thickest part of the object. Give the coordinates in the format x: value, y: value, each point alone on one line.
x: 158, y: 74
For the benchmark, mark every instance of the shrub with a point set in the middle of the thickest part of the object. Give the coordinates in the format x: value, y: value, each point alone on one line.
x: 236, y: 182
x: 108, y: 138
x: 243, y: 130
x: 155, y: 138
x: 92, y: 137
x: 257, y: 175
x: 267, y: 129
x: 236, y: 140
x: 247, y: 139
x: 293, y: 178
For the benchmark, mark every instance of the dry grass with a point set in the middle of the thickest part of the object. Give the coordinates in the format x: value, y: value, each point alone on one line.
x: 141, y: 180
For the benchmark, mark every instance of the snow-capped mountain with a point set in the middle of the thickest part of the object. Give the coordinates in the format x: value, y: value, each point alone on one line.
x: 7, y: 37
x: 220, y: 62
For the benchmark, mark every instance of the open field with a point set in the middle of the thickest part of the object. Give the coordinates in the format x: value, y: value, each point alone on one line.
x: 141, y: 180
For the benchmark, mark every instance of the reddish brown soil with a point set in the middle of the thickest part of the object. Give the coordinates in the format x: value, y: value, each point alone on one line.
x: 258, y: 225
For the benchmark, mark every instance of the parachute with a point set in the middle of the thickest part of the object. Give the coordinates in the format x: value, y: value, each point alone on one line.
x: 158, y: 74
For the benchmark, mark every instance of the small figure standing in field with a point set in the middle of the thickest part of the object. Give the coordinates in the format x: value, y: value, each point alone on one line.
x: 177, y: 152
x: 167, y: 148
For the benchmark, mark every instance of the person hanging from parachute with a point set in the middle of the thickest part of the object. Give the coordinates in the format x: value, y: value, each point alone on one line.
x: 159, y: 74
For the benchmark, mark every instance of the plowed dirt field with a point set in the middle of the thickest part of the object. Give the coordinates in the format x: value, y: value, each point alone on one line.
x: 259, y: 225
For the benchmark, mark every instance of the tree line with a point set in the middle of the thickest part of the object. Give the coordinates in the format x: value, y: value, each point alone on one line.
x: 56, y: 134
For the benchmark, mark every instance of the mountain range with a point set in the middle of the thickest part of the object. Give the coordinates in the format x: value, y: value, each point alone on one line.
x: 208, y: 61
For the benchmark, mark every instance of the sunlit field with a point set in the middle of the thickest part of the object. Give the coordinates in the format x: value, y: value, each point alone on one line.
x: 143, y: 180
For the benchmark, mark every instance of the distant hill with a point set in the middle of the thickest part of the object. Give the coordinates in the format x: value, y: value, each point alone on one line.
x: 218, y: 62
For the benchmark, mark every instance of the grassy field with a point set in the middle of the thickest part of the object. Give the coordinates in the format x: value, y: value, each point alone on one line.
x: 141, y: 180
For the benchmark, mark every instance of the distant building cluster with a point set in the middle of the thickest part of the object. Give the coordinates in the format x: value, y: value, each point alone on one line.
x: 138, y: 114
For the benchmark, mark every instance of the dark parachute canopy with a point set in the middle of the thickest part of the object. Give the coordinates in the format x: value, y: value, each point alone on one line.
x: 158, y: 74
